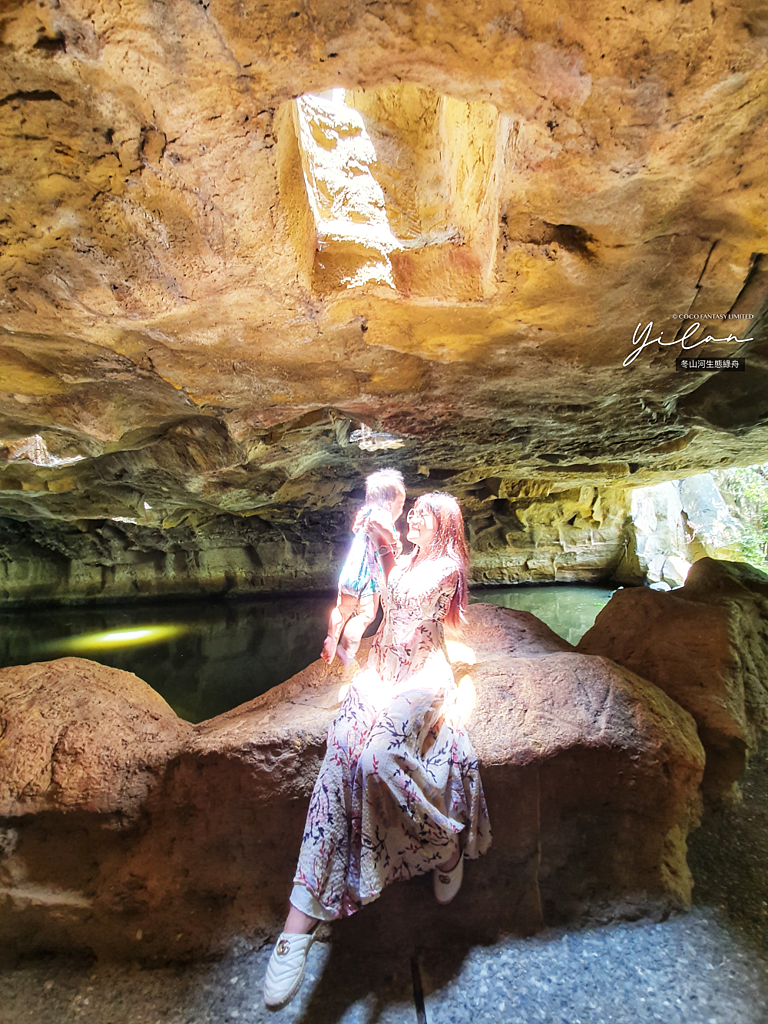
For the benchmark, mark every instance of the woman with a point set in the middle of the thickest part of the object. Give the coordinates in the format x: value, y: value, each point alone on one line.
x: 399, y: 790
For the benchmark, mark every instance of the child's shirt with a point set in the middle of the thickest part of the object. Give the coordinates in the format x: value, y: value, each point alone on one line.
x: 361, y: 575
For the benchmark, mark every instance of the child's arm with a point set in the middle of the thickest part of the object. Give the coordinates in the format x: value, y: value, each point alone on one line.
x: 387, y: 559
x: 380, y: 529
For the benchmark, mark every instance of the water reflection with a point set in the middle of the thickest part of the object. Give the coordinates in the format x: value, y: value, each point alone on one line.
x: 206, y: 657
x: 87, y: 643
x: 568, y: 609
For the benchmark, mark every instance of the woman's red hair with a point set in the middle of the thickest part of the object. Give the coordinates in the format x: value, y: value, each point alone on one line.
x: 448, y: 541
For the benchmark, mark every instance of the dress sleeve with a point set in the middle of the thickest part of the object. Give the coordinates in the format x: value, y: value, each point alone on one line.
x: 447, y: 579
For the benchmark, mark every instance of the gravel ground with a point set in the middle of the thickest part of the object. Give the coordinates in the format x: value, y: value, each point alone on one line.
x: 709, y: 966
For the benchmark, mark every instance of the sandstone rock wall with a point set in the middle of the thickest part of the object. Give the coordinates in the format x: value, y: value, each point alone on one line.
x: 179, y: 332
x: 517, y: 534
x: 105, y: 559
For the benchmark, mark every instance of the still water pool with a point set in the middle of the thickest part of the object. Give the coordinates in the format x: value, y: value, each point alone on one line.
x: 206, y: 657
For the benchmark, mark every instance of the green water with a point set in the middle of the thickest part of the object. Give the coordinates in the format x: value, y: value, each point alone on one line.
x: 206, y: 657
x: 568, y: 609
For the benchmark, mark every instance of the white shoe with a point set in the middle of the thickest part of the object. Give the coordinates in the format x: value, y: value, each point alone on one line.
x: 285, y: 970
x: 448, y: 883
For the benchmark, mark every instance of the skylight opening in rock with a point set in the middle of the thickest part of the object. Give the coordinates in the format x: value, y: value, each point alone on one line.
x: 347, y: 202
x: 34, y: 449
x: 400, y: 189
x: 374, y: 440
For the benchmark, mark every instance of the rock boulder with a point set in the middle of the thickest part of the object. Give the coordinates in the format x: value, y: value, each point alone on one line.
x: 79, y: 736
x: 591, y: 776
x: 706, y: 646
x: 82, y: 747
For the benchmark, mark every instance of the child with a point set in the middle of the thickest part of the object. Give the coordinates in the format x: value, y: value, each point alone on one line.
x: 359, y: 582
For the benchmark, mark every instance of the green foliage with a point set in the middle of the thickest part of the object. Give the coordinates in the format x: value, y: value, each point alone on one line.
x: 747, y: 488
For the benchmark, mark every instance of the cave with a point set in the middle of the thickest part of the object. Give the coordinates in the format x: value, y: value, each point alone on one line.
x: 188, y: 350
x: 250, y: 254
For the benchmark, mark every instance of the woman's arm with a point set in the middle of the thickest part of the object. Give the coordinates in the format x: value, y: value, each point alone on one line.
x: 387, y: 559
x: 386, y: 541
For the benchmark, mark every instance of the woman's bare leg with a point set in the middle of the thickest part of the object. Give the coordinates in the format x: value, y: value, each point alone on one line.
x: 298, y: 923
x: 451, y: 864
x: 285, y: 970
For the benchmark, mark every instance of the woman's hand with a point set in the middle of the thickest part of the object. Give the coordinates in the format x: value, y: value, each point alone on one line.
x: 379, y: 528
x: 386, y: 540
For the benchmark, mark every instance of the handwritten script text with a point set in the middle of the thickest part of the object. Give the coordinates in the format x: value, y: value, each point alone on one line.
x: 642, y: 339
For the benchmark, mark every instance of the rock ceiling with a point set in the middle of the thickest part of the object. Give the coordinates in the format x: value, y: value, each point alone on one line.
x: 197, y: 316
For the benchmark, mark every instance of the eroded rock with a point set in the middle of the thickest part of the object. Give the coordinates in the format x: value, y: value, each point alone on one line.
x: 82, y: 737
x: 591, y: 776
x: 706, y: 645
x: 81, y: 748
x: 518, y: 533
x: 182, y: 339
x: 611, y: 768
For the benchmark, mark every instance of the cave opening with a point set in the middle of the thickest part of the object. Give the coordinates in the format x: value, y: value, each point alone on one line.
x: 400, y: 189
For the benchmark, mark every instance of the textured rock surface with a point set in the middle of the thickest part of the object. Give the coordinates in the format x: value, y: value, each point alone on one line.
x: 528, y: 534
x: 182, y: 339
x: 81, y: 748
x: 591, y: 775
x: 610, y: 765
x: 706, y: 645
x: 79, y: 736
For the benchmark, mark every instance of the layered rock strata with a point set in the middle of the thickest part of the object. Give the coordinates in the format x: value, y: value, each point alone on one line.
x: 706, y: 646
x: 197, y: 318
x: 522, y: 533
x: 591, y: 776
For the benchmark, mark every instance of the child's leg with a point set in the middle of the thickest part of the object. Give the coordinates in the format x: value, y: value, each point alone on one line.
x: 345, y: 606
x: 353, y: 634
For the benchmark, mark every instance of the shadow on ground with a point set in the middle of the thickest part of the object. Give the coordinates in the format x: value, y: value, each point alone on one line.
x: 709, y: 965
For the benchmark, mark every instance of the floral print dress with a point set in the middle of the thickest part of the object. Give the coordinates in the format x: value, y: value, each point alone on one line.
x: 400, y: 779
